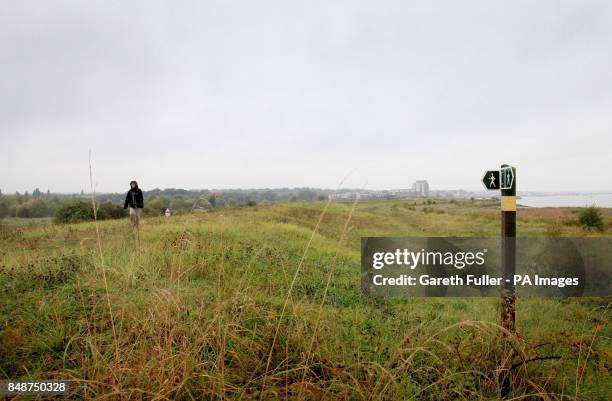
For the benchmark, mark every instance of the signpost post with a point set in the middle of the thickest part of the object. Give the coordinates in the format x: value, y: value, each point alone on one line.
x: 508, y: 251
x: 505, y: 180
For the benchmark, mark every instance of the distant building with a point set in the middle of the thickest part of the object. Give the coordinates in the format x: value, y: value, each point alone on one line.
x: 421, y: 188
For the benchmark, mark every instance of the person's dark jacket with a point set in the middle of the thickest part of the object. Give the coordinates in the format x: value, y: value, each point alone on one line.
x: 134, y: 199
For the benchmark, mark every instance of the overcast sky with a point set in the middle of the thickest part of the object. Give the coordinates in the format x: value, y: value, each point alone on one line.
x: 257, y: 94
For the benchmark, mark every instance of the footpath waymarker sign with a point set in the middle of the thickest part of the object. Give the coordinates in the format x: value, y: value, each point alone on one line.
x: 491, y: 180
x: 508, y: 233
x: 505, y: 180
x: 506, y: 177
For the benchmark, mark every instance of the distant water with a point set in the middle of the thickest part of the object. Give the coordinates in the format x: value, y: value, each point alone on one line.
x: 599, y: 200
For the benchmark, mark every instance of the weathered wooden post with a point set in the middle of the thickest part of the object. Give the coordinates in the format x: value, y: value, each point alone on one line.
x: 508, y: 250
x: 505, y: 179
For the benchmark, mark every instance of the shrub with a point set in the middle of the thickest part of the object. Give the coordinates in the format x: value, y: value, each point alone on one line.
x: 74, y: 212
x: 108, y: 210
x: 591, y: 218
x: 40, y: 208
x: 24, y: 210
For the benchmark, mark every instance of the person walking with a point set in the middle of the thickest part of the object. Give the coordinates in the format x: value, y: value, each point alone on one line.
x: 134, y: 202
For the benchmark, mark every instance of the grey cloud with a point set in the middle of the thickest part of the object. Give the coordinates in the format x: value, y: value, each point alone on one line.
x: 208, y: 94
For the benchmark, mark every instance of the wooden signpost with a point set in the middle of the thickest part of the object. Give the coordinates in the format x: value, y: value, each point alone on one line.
x: 508, y: 234
x: 505, y: 180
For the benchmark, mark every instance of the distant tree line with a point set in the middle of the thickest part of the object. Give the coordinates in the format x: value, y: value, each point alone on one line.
x: 37, y: 204
x: 231, y: 197
x: 66, y: 208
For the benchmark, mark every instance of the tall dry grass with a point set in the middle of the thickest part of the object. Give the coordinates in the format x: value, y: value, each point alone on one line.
x: 260, y: 304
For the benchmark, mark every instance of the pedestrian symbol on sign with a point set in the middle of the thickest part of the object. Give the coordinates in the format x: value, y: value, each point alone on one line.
x: 507, y: 177
x: 491, y: 179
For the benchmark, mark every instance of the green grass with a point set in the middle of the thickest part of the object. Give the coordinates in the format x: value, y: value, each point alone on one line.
x: 20, y: 221
x: 205, y: 306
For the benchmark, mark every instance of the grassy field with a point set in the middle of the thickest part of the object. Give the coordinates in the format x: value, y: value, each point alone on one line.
x: 264, y: 303
x: 26, y: 222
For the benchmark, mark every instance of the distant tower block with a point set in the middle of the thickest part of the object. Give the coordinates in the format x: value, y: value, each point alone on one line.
x: 421, y: 188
